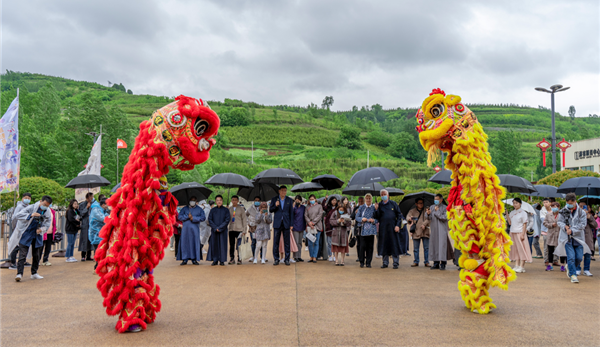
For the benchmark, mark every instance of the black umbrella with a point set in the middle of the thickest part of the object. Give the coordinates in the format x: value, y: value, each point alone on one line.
x: 442, y: 177
x: 363, y: 189
x: 516, y: 184
x: 546, y: 191
x: 266, y: 191
x: 229, y: 180
x: 329, y: 182
x: 408, y: 202
x: 307, y: 187
x: 591, y: 200
x: 114, y: 189
x: 394, y: 191
x: 372, y: 175
x: 278, y: 176
x: 88, y: 181
x: 581, y: 186
x: 186, y: 190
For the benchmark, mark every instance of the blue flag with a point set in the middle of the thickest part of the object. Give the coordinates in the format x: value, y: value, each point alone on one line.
x: 9, y: 149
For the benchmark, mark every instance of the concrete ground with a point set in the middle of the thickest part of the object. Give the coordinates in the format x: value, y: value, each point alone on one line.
x: 303, y: 305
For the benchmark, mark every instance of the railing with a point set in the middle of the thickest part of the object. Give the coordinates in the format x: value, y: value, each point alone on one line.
x: 6, y: 231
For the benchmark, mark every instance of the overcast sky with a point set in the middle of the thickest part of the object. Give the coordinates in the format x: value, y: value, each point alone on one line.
x: 296, y: 52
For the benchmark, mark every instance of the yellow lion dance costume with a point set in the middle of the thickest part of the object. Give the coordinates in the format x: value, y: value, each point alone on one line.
x: 475, y: 205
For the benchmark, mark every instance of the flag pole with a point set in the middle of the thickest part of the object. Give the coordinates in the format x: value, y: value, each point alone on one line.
x: 117, y: 161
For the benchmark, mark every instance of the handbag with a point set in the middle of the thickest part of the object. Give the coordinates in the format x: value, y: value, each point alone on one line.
x: 413, y: 227
x: 245, y: 249
x: 311, y: 237
x: 352, y: 241
x: 58, y: 237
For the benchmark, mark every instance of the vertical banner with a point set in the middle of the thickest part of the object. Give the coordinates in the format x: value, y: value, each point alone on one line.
x: 9, y: 148
x: 92, y: 168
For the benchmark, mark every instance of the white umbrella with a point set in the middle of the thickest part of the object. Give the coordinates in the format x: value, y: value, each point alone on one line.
x: 524, y: 205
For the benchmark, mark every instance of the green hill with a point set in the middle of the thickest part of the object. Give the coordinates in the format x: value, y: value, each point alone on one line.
x: 57, y: 112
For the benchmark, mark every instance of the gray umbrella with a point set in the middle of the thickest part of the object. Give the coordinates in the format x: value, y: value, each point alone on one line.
x: 229, y: 180
x: 372, y: 175
x: 516, y: 184
x: 442, y: 177
x: 88, y: 181
x: 363, y: 189
x: 307, y: 187
x: 114, y: 189
x: 581, y: 186
x: 546, y: 191
x: 408, y: 202
x: 394, y: 191
x: 278, y: 176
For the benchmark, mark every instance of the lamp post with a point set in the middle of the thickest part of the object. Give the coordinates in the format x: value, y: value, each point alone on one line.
x: 553, y: 89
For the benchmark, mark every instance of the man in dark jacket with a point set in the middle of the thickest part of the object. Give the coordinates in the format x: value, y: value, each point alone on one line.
x: 390, y: 221
x: 282, y: 208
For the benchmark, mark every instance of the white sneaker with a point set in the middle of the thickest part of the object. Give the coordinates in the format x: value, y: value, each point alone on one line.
x: 255, y: 261
x: 263, y: 261
x: 306, y: 248
x: 587, y: 273
x: 47, y: 263
x: 292, y: 261
x: 204, y: 251
x: 18, y: 278
x: 578, y: 272
x: 333, y: 258
x: 36, y: 277
x: 172, y: 249
x: 378, y: 256
x: 517, y: 269
x: 330, y: 259
x: 574, y: 279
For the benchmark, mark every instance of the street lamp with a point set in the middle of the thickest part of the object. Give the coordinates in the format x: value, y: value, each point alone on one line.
x: 553, y: 89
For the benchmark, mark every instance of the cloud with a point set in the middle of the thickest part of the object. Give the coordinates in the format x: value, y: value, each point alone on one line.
x: 284, y: 52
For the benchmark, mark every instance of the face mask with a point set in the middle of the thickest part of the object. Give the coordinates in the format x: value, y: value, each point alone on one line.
x: 554, y: 209
x: 384, y: 198
x: 257, y: 203
x: 569, y: 206
x: 192, y: 203
x: 26, y: 201
x: 341, y: 211
x: 312, y: 202
x: 437, y: 202
x: 43, y: 208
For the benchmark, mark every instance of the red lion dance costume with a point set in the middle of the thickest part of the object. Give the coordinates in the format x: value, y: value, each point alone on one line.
x: 139, y: 227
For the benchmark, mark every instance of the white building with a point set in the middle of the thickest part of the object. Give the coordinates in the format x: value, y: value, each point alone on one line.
x: 583, y: 155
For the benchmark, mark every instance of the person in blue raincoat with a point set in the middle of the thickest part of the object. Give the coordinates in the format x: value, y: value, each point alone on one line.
x: 99, y: 210
x: 189, y: 241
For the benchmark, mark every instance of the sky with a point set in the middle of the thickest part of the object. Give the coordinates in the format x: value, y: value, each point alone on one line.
x: 297, y: 52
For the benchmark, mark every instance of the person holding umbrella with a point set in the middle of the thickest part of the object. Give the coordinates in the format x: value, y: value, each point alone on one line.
x: 238, y: 225
x: 572, y: 221
x: 390, y: 221
x: 189, y: 242
x: 218, y: 220
x: 85, y: 247
x: 282, y: 208
x: 418, y: 221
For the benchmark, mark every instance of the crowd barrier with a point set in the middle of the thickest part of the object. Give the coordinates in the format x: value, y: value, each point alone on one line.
x: 6, y: 231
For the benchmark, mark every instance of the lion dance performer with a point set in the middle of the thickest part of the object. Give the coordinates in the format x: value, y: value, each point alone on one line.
x: 139, y: 227
x: 475, y: 201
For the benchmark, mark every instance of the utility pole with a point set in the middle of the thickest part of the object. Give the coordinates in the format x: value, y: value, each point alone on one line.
x: 95, y: 134
x: 367, y: 159
x: 252, y: 151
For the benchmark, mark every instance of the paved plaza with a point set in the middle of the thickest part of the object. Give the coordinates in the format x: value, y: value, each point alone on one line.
x: 303, y: 305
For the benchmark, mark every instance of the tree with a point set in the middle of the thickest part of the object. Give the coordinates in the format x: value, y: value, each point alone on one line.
x: 349, y: 137
x: 129, y: 91
x: 572, y: 112
x: 506, y: 152
x: 405, y: 146
x: 237, y: 117
x: 379, y: 138
x: 327, y: 102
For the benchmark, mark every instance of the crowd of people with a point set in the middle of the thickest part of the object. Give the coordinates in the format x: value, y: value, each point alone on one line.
x: 326, y: 230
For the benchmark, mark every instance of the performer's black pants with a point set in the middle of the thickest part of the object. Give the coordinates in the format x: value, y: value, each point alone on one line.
x: 233, y: 235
